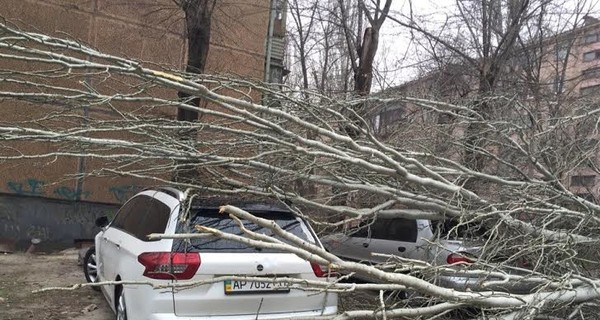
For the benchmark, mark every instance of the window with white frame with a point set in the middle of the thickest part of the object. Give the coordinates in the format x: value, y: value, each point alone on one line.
x: 583, y: 181
x: 590, y: 38
x: 592, y: 55
x: 588, y: 91
x: 559, y: 85
x: 561, y: 53
x: 591, y: 73
x: 385, y: 121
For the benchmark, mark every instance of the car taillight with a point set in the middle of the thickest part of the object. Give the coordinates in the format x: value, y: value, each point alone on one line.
x: 525, y: 264
x: 457, y: 258
x: 170, y: 265
x: 321, y: 271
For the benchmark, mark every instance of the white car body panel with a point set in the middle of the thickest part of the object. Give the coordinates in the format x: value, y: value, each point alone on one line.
x: 212, y: 300
x: 117, y: 255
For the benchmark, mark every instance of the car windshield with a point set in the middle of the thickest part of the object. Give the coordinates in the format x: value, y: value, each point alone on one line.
x: 211, y: 218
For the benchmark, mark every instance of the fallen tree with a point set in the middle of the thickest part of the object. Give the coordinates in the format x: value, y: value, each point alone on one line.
x: 301, y: 154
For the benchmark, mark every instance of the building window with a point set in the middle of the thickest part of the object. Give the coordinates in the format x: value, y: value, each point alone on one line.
x: 590, y: 38
x: 377, y: 123
x: 445, y: 118
x: 524, y: 62
x: 592, y: 55
x: 583, y: 181
x: 559, y: 85
x: 586, y: 196
x: 561, y: 53
x: 591, y: 143
x: 591, y: 90
x: 386, y: 121
x: 591, y: 73
x: 277, y: 74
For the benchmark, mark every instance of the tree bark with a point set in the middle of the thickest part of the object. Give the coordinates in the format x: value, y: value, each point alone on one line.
x: 198, y: 16
x: 364, y: 76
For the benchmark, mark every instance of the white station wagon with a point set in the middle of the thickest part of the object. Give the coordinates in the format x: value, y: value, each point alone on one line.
x: 124, y: 253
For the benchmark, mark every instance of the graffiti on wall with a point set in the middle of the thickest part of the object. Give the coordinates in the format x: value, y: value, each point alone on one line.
x: 35, y: 187
x: 124, y: 192
x: 9, y: 221
x: 50, y: 220
x: 31, y: 187
x: 38, y: 232
x: 71, y: 193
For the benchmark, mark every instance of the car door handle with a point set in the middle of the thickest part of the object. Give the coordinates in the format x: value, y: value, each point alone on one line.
x: 118, y: 246
x: 365, y: 244
x: 401, y: 249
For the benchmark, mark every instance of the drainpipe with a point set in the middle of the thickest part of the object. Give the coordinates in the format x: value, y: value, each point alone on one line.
x: 81, y: 164
x: 269, y: 46
x: 269, y: 40
x: 82, y: 161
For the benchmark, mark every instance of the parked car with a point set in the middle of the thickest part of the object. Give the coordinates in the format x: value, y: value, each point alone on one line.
x: 123, y: 253
x: 438, y: 243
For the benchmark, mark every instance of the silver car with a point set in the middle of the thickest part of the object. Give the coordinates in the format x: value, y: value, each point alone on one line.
x: 434, y: 243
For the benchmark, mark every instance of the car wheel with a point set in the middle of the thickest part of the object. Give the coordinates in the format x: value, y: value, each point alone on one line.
x: 90, y: 267
x: 121, y: 307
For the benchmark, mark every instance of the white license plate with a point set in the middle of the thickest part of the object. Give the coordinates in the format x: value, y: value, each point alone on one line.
x: 246, y: 287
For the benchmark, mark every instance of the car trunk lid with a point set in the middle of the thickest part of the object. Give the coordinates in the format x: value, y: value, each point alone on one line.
x: 225, y: 265
x: 228, y: 292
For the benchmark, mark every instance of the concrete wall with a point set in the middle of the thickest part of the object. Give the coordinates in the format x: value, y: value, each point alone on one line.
x: 58, y: 223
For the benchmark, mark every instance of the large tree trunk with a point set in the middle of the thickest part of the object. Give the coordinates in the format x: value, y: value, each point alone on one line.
x: 364, y: 75
x: 198, y: 14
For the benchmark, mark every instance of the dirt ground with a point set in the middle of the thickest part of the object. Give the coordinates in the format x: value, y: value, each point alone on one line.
x: 20, y: 274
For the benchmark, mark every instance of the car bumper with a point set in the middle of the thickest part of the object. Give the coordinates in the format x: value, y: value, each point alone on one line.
x: 146, y: 303
x: 327, y: 311
x: 143, y: 302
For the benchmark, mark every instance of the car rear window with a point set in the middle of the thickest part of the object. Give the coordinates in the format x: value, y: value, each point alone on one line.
x: 452, y: 229
x: 395, y: 229
x: 213, y: 219
x: 141, y: 216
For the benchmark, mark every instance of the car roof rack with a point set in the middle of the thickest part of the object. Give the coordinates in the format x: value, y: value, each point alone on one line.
x: 173, y: 192
x: 250, y: 203
x: 263, y: 205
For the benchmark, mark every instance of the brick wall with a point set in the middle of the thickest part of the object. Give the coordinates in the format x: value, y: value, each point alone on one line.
x: 148, y: 30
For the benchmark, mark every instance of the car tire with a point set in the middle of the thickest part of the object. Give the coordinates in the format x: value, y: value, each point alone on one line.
x: 120, y: 305
x: 90, y: 267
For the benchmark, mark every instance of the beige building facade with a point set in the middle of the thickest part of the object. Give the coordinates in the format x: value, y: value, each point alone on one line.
x: 556, y: 79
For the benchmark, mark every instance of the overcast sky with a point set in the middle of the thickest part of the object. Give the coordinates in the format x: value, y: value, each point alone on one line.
x: 396, y: 55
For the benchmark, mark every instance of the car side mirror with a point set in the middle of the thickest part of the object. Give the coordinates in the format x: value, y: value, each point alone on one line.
x: 102, y: 222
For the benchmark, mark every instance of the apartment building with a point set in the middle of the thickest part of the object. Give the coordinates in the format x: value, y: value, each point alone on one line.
x: 556, y: 78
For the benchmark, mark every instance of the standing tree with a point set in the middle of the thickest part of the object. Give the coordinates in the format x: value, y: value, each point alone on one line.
x: 329, y: 39
x: 198, y: 19
x: 366, y: 46
x: 485, y: 40
x: 363, y: 73
x: 301, y: 34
